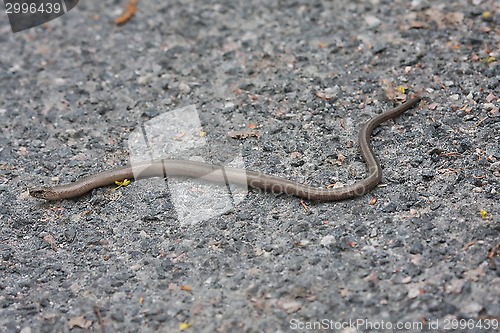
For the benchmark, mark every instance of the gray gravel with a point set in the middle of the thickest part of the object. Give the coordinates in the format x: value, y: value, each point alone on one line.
x: 306, y: 74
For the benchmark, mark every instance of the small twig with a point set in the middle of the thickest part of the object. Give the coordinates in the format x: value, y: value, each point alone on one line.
x: 451, y: 153
x: 466, y: 247
x: 98, y: 313
x: 303, y: 204
x: 449, y: 170
x: 323, y: 97
x: 342, y: 124
x: 494, y: 251
x: 480, y: 121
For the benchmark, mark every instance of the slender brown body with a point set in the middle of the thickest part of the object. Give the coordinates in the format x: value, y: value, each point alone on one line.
x: 220, y: 174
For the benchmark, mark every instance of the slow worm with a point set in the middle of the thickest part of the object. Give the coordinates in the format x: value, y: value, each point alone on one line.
x: 228, y: 175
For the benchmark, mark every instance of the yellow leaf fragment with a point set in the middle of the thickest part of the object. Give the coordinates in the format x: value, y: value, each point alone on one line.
x: 184, y: 326
x: 483, y: 213
x: 489, y: 60
x: 122, y: 183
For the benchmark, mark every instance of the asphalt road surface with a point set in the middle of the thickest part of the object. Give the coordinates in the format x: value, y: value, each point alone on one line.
x: 280, y: 87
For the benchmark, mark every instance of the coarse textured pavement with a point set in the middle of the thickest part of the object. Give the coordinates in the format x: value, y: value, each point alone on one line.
x: 420, y: 249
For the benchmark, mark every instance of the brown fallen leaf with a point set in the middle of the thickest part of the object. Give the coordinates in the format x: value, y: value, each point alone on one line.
x: 237, y: 91
x: 340, y: 159
x: 443, y: 20
x: 323, y: 96
x: 128, y: 14
x: 289, y: 305
x: 23, y: 151
x: 491, y: 97
x: 352, y: 244
x: 495, y: 251
x: 80, y: 322
x: 51, y: 240
x: 474, y: 274
x: 344, y: 292
x: 454, y: 286
x: 186, y: 288
x: 453, y: 18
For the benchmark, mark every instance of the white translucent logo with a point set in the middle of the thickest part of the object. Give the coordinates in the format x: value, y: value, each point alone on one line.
x: 178, y: 135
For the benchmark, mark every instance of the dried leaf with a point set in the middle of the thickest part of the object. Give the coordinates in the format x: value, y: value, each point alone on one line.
x: 454, y: 286
x: 80, y: 322
x: 51, y: 240
x: 344, y: 292
x: 323, y: 97
x: 186, y: 288
x: 289, y: 305
x: 443, y: 20
x: 128, y: 14
x: 340, y: 159
x: 23, y: 151
x: 474, y: 274
x: 453, y: 18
